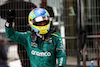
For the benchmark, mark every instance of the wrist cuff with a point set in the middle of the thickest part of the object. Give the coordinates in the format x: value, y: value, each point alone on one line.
x: 7, y: 24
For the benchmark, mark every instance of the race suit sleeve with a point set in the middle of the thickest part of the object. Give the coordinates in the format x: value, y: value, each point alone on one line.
x: 61, y: 54
x: 15, y: 35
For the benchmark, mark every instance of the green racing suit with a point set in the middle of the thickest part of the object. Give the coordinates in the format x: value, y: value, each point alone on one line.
x: 43, y: 54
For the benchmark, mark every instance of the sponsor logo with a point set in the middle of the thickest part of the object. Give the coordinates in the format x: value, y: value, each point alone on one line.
x: 40, y: 53
x: 61, y: 61
x: 49, y: 40
x: 33, y: 44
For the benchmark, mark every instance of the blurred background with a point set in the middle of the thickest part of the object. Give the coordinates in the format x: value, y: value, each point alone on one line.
x: 78, y: 22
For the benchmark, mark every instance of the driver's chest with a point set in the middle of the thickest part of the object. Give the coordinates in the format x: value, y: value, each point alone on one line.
x: 43, y: 45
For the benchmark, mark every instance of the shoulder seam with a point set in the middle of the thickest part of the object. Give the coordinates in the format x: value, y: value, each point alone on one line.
x: 29, y: 32
x: 54, y: 34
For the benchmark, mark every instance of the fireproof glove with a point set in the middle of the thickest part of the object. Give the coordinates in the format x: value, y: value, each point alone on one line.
x: 10, y: 16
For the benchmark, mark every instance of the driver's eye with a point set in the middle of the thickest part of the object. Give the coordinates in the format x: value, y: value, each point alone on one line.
x: 43, y: 23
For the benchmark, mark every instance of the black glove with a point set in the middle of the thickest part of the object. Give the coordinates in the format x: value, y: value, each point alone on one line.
x: 10, y: 16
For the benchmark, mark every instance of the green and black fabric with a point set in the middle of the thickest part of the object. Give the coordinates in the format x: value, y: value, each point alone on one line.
x: 42, y: 53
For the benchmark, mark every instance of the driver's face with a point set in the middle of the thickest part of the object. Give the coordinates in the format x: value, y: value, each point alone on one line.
x: 43, y: 23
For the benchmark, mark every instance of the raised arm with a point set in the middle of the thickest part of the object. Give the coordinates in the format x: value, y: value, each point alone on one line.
x: 10, y: 32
